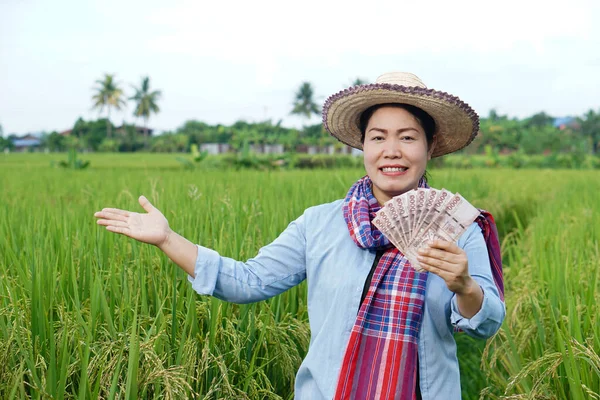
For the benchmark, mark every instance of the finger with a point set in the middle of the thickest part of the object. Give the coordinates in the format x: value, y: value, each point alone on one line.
x: 435, y: 270
x: 118, y: 229
x: 444, y: 245
x: 110, y: 216
x: 145, y: 203
x: 124, y: 213
x: 436, y: 263
x: 442, y: 255
x: 108, y: 222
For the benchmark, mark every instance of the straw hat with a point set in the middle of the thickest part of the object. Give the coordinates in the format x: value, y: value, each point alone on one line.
x: 456, y: 122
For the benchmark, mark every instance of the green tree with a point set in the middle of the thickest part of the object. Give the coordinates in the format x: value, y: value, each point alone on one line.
x: 145, y: 104
x: 108, y: 94
x: 90, y: 134
x: 304, y: 103
x: 538, y: 120
x: 590, y: 128
x: 6, y: 144
x: 109, y: 145
x: 170, y: 143
x: 494, y: 116
x: 538, y: 139
x: 129, y: 139
x: 359, y: 81
x: 200, y: 132
x: 54, y: 142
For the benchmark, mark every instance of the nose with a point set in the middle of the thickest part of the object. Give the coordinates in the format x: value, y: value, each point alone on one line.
x: 392, y: 149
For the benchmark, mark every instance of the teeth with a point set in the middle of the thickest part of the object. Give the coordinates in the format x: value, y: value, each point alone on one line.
x: 389, y: 169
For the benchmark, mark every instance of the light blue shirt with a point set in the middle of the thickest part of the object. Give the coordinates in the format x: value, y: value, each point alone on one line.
x: 317, y: 247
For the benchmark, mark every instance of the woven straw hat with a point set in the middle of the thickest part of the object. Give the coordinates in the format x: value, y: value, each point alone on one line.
x: 456, y: 122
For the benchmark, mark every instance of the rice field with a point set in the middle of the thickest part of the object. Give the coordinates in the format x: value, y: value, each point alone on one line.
x: 87, y: 314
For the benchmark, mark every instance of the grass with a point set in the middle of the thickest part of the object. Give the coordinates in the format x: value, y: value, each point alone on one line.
x: 88, y: 314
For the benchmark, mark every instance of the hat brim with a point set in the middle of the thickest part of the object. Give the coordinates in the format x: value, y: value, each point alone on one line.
x: 457, y: 123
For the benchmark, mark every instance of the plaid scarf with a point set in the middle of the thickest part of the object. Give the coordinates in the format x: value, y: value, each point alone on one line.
x: 490, y: 235
x: 380, y: 361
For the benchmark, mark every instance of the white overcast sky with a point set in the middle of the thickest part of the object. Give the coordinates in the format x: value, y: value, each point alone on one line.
x: 220, y: 61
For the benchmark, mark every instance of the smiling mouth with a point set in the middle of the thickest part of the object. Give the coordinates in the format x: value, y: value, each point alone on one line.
x: 393, y: 169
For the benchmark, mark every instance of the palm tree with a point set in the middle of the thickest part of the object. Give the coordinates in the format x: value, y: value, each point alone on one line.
x: 304, y: 103
x: 108, y: 94
x: 145, y: 104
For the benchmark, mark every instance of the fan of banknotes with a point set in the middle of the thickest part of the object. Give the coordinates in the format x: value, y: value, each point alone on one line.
x: 412, y: 219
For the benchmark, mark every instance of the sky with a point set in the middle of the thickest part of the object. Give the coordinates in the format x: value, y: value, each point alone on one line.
x: 222, y: 61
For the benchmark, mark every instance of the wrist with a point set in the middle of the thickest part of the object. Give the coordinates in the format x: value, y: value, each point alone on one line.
x: 471, y: 288
x: 166, y: 241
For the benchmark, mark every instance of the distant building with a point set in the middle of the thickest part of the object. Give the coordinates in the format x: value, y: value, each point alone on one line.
x: 26, y: 142
x: 138, y: 129
x: 566, y: 122
x: 215, y: 148
x: 267, y: 148
x: 329, y: 149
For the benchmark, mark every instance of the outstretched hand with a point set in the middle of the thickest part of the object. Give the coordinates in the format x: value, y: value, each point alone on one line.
x: 151, y: 227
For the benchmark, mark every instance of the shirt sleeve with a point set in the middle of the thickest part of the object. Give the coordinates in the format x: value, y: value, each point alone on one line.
x: 277, y: 267
x: 489, y: 318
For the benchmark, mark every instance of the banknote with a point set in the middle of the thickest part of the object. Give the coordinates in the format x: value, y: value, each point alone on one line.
x: 428, y: 212
x: 386, y: 227
x: 458, y: 215
x: 392, y: 215
x: 421, y: 195
x: 397, y: 212
x: 411, y: 210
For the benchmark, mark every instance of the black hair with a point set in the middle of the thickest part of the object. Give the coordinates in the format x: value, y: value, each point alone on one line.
x: 424, y: 119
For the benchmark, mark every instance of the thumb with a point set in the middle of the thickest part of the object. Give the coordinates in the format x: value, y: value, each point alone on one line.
x: 145, y: 203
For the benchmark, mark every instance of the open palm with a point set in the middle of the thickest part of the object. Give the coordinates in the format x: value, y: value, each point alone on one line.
x: 152, y: 227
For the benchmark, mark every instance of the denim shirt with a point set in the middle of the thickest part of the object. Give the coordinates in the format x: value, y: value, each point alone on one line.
x: 317, y: 247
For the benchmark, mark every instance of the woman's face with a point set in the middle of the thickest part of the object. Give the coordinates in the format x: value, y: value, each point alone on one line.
x: 395, y: 152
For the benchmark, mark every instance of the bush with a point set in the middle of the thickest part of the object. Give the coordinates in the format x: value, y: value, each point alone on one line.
x: 305, y: 161
x: 72, y: 161
x: 109, y: 146
x: 517, y: 160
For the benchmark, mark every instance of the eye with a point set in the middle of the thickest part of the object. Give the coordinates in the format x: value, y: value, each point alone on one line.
x: 407, y: 138
x: 377, y: 138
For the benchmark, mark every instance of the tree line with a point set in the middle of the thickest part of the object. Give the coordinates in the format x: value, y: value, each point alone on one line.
x: 533, y: 135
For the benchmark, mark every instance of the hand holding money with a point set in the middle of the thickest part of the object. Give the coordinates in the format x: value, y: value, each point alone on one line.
x: 449, y: 262
x: 414, y: 219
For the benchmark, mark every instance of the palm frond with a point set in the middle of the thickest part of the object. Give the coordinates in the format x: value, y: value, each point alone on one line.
x: 145, y: 100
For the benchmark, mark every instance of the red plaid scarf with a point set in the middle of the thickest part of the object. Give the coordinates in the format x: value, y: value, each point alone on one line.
x: 381, y: 356
x: 490, y: 234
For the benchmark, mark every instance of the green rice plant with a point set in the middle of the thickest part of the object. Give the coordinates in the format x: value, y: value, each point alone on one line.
x: 549, y: 345
x: 197, y: 157
x: 88, y: 314
x: 73, y: 162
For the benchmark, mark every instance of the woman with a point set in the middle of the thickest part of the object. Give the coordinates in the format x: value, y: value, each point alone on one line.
x: 379, y: 329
